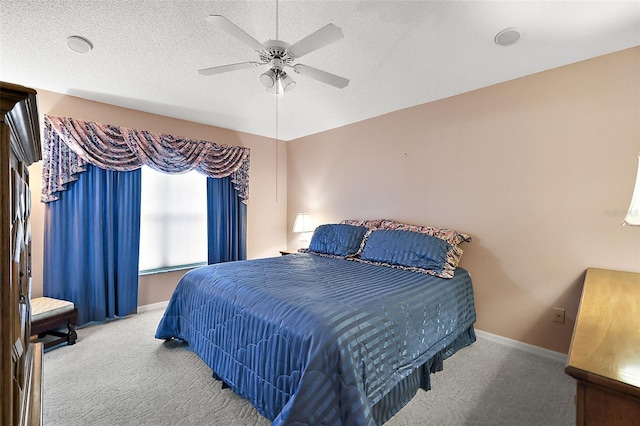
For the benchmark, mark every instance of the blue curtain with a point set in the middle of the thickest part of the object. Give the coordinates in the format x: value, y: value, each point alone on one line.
x: 92, y: 240
x: 226, y: 222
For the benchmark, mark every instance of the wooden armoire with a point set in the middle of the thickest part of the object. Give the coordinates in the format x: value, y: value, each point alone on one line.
x: 21, y: 360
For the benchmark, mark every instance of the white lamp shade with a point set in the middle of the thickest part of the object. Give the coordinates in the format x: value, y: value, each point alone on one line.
x: 287, y: 82
x: 268, y: 79
x: 302, y: 223
x: 633, y: 215
x: 277, y: 88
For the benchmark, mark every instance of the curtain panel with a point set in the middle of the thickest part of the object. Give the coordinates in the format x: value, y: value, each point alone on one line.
x: 91, y: 244
x: 70, y: 144
x: 226, y: 222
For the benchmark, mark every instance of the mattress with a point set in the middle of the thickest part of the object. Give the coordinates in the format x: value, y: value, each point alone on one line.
x: 317, y: 340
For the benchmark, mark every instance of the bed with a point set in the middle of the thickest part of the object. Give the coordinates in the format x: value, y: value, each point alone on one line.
x: 338, y: 335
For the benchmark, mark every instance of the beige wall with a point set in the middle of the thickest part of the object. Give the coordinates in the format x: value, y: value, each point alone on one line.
x: 539, y: 171
x: 266, y: 212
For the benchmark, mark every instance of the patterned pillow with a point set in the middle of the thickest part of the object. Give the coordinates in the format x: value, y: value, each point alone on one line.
x: 449, y: 235
x: 371, y: 224
x: 367, y: 223
x: 413, y: 251
x: 337, y: 239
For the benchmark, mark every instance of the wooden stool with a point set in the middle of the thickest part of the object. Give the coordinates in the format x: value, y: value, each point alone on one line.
x: 48, y: 315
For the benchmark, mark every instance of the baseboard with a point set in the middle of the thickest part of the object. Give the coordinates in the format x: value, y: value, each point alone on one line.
x: 535, y: 350
x: 152, y: 306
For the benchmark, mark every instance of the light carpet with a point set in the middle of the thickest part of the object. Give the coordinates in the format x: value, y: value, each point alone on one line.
x: 119, y: 374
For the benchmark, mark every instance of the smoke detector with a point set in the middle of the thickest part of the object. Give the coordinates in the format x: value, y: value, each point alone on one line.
x: 507, y: 37
x: 79, y: 44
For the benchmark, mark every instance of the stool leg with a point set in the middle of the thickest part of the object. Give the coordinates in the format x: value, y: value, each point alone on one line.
x: 71, y: 339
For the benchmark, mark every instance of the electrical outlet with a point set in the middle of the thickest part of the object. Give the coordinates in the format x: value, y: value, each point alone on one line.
x: 558, y: 315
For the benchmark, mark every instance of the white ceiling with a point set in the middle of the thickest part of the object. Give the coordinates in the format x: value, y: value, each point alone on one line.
x: 396, y: 54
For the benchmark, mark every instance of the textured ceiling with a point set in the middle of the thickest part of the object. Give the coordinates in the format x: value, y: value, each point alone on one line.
x: 396, y: 54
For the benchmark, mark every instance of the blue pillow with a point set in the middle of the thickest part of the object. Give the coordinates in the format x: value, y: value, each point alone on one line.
x: 407, y: 249
x: 337, y: 239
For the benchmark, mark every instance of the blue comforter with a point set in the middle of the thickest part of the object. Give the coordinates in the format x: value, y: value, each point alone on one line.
x: 315, y: 340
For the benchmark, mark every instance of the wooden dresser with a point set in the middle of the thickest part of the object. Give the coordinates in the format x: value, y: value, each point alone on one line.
x: 604, y: 356
x: 20, y: 360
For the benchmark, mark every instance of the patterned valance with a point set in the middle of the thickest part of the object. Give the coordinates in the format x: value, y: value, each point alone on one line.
x: 69, y: 144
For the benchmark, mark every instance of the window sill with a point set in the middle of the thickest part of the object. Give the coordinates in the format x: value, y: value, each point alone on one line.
x: 170, y: 269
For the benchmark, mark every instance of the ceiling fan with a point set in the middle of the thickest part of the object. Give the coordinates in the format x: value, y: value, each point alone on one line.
x: 278, y: 55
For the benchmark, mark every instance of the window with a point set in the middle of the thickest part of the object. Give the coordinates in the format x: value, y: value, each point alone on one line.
x: 173, y: 220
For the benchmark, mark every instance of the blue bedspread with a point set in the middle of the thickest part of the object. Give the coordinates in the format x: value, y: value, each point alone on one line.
x: 314, y: 340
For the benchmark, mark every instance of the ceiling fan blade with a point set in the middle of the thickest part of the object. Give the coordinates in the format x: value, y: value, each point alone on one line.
x: 227, y: 68
x: 324, y: 36
x: 323, y: 76
x: 235, y: 31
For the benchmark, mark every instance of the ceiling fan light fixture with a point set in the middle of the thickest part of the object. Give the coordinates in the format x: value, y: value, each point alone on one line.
x: 269, y: 78
x: 287, y: 82
x: 277, y: 81
x: 277, y: 88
